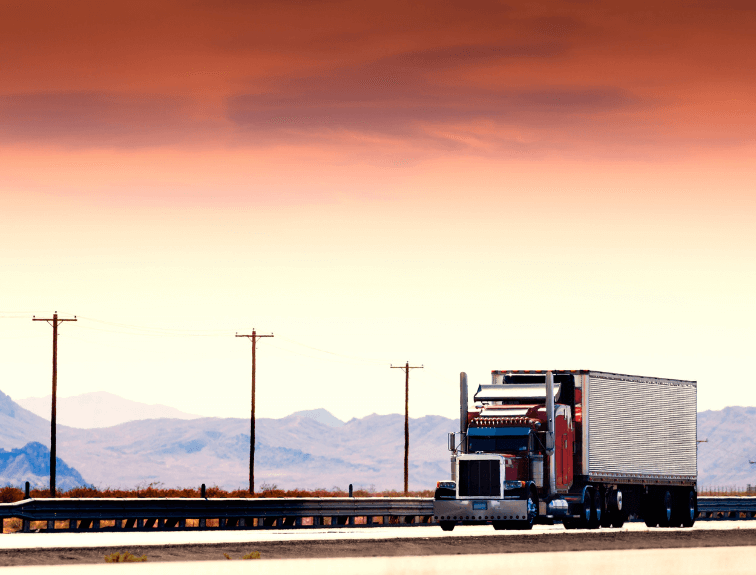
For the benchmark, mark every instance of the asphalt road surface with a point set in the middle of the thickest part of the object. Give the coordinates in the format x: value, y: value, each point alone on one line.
x: 82, y: 548
x: 692, y: 561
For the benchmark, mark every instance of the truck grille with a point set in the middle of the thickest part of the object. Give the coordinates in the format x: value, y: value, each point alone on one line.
x: 479, y: 477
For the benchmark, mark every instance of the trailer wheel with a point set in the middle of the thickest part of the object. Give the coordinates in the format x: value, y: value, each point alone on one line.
x: 690, y: 509
x: 664, y: 507
x: 597, y: 510
x: 649, y: 510
x: 613, y: 513
x: 447, y: 525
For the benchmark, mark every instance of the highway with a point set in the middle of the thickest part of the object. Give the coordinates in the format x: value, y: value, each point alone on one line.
x: 159, y: 538
x: 696, y: 561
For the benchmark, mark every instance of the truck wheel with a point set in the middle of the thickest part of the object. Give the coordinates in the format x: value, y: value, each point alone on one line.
x: 587, y: 509
x: 649, y: 510
x: 532, y: 513
x: 447, y: 525
x: 614, y: 511
x: 664, y: 509
x: 597, y: 510
x: 689, y: 509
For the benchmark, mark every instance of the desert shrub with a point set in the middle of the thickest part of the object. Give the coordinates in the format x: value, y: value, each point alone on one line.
x: 124, y: 557
x: 10, y: 494
x: 250, y: 555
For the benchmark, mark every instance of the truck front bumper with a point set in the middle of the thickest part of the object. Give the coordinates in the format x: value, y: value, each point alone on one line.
x: 480, y: 510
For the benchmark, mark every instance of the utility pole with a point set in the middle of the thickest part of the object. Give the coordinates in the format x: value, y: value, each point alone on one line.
x: 406, y: 367
x: 253, y: 337
x: 54, y: 415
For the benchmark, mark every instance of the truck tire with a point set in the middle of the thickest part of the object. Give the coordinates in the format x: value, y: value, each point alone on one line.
x: 649, y: 510
x: 447, y: 525
x: 598, y: 507
x: 689, y: 508
x: 665, y: 507
x: 532, y: 507
x: 584, y: 520
x: 614, y: 508
x: 532, y: 517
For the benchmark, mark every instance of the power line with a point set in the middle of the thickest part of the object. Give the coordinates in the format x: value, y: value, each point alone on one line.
x: 406, y: 369
x: 161, y: 330
x: 253, y: 337
x: 53, y: 418
x: 334, y: 353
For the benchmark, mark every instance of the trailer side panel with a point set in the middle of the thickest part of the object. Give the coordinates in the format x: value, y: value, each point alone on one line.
x: 638, y: 427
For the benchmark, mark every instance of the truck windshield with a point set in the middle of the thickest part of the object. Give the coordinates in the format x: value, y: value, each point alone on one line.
x: 507, y: 443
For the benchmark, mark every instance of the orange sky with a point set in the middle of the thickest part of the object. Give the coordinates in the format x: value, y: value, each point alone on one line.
x: 570, y: 78
x: 561, y: 183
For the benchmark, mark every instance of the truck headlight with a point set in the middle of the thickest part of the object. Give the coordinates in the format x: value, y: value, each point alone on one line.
x: 512, y: 485
x: 446, y: 485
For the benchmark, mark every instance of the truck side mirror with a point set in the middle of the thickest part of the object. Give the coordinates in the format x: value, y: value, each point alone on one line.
x: 451, y: 442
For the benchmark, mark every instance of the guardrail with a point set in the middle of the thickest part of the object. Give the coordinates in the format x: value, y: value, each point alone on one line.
x: 726, y: 508
x: 87, y: 514
x: 171, y: 514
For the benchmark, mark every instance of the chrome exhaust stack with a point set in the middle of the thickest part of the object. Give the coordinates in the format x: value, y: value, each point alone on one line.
x: 458, y: 441
x: 462, y: 442
x: 551, y: 431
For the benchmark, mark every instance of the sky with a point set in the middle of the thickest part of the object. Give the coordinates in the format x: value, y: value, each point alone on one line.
x: 466, y: 186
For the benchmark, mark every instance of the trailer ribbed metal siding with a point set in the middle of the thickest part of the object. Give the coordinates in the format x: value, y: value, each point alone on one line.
x: 639, y: 426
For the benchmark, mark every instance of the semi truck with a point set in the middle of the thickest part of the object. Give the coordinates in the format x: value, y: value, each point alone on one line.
x: 587, y: 448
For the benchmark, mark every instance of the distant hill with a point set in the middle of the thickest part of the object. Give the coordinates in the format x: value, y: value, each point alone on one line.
x: 730, y: 436
x: 100, y: 409
x: 293, y: 452
x: 32, y: 463
x: 24, y: 455
x: 19, y: 426
x: 320, y: 415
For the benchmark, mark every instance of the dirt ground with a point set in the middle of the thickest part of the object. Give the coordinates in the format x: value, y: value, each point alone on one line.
x: 393, y: 547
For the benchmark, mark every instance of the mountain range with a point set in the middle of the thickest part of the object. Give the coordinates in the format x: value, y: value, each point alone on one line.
x: 99, y: 409
x: 727, y: 447
x: 311, y: 449
x: 32, y: 463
